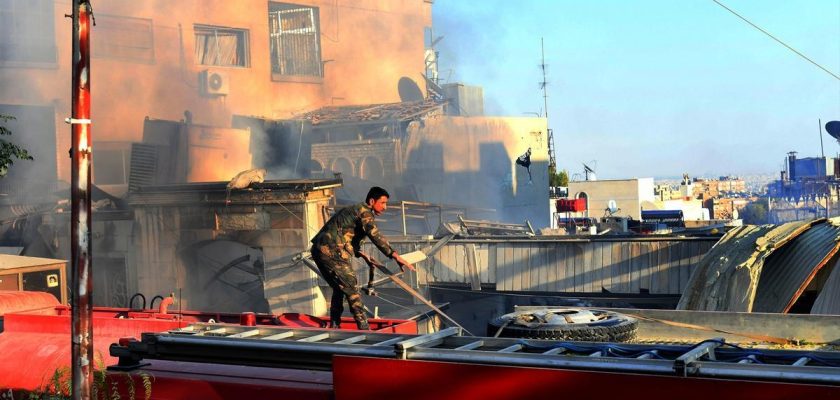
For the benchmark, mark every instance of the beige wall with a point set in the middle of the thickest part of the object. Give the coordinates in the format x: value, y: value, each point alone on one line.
x: 627, y: 193
x: 367, y: 46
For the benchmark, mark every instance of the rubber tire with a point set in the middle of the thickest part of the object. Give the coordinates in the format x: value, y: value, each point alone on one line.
x: 621, y: 329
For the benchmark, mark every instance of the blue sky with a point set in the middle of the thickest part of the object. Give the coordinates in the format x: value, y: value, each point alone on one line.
x: 654, y: 87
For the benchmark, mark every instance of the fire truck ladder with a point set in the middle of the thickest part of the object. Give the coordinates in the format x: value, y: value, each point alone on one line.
x: 304, y: 348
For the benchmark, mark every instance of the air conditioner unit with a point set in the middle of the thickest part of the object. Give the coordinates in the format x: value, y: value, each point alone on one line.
x: 214, y: 83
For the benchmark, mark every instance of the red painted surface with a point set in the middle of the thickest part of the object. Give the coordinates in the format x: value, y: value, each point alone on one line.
x: 31, y: 302
x: 361, y: 378
x: 36, y: 345
x: 80, y: 216
x: 571, y: 205
x: 185, y: 380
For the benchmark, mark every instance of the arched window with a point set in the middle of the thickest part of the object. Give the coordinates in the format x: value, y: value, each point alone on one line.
x: 342, y: 165
x: 372, y: 169
x: 315, y: 168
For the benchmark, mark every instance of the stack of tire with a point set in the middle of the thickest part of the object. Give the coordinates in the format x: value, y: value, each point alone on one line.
x: 585, y: 325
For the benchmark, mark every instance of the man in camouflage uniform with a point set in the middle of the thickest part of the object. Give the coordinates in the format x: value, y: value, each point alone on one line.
x: 338, y: 241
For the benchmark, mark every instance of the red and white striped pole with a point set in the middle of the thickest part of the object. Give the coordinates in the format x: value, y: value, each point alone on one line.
x: 80, y: 217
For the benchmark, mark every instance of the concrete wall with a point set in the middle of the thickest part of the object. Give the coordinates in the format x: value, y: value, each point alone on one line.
x: 366, y: 47
x: 471, y: 161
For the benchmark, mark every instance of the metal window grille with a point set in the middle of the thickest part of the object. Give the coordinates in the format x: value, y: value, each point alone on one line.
x: 221, y: 46
x: 295, y: 47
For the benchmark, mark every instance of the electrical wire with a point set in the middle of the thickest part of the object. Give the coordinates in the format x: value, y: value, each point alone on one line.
x: 777, y: 40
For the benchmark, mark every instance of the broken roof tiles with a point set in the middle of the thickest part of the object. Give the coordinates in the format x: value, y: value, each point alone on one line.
x: 372, y: 112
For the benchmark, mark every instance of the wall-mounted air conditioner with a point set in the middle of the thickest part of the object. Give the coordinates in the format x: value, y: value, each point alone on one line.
x: 214, y: 83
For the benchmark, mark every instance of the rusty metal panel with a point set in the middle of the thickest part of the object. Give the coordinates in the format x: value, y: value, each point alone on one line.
x: 788, y: 271
x: 828, y: 301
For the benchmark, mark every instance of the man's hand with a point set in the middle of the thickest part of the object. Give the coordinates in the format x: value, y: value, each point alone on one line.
x: 370, y: 261
x: 402, y: 262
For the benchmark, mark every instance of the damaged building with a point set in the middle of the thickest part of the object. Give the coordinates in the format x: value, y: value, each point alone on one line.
x: 186, y: 95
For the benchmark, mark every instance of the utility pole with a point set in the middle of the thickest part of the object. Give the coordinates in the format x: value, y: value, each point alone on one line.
x: 80, y: 217
x: 552, y: 164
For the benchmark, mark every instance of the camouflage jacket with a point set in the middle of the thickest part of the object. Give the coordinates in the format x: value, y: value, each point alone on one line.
x: 344, y: 232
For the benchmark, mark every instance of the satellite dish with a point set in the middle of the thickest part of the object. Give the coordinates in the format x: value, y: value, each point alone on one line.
x: 612, y: 207
x: 833, y: 129
x: 409, y: 91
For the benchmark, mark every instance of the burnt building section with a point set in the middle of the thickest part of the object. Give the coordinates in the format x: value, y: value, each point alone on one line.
x: 423, y: 155
x: 226, y: 250
x: 365, y: 142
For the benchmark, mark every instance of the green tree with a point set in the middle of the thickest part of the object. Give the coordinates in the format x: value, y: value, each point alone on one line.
x: 8, y: 150
x: 558, y: 178
x: 754, y: 213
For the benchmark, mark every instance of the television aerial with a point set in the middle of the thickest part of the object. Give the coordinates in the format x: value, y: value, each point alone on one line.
x: 589, y: 172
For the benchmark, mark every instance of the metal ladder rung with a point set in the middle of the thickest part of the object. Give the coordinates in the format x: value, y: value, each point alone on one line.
x: 252, y: 332
x: 429, y: 340
x: 802, y: 361
x: 511, y: 349
x: 556, y: 350
x: 351, y: 340
x: 390, y: 341
x: 279, y: 336
x: 471, y: 346
x: 316, y: 338
x: 212, y: 332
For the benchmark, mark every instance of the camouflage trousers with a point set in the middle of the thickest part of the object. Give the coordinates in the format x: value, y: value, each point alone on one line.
x: 339, y: 274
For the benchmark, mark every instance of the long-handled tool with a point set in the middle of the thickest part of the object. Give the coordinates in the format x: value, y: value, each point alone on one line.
x: 399, y: 282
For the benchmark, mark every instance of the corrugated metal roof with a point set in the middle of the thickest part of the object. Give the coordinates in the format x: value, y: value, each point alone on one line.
x: 828, y: 301
x: 727, y: 276
x: 788, y: 271
x: 8, y: 261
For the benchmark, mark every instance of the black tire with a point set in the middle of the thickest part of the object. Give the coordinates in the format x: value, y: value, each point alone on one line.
x: 613, y: 327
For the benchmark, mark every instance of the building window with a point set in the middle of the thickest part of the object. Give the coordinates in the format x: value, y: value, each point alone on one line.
x: 123, y: 38
x: 343, y: 166
x: 27, y: 29
x: 295, y: 40
x: 220, y: 46
x: 111, y: 162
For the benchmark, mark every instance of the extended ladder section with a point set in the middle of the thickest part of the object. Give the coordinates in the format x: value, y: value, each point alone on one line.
x: 314, y: 349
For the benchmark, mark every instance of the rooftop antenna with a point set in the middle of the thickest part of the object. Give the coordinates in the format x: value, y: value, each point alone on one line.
x: 819, y: 129
x: 588, y: 173
x: 552, y: 164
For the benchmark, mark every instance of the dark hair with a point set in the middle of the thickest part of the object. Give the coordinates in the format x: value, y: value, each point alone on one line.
x: 375, y: 193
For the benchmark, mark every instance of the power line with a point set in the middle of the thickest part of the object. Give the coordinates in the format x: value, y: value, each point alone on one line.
x: 776, y: 39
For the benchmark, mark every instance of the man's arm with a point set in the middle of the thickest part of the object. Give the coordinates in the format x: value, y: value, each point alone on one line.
x: 372, y: 231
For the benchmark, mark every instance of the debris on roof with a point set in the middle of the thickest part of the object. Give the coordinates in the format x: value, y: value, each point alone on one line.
x: 372, y: 112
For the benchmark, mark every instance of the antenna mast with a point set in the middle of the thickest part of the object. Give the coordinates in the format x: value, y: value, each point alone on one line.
x: 552, y: 164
